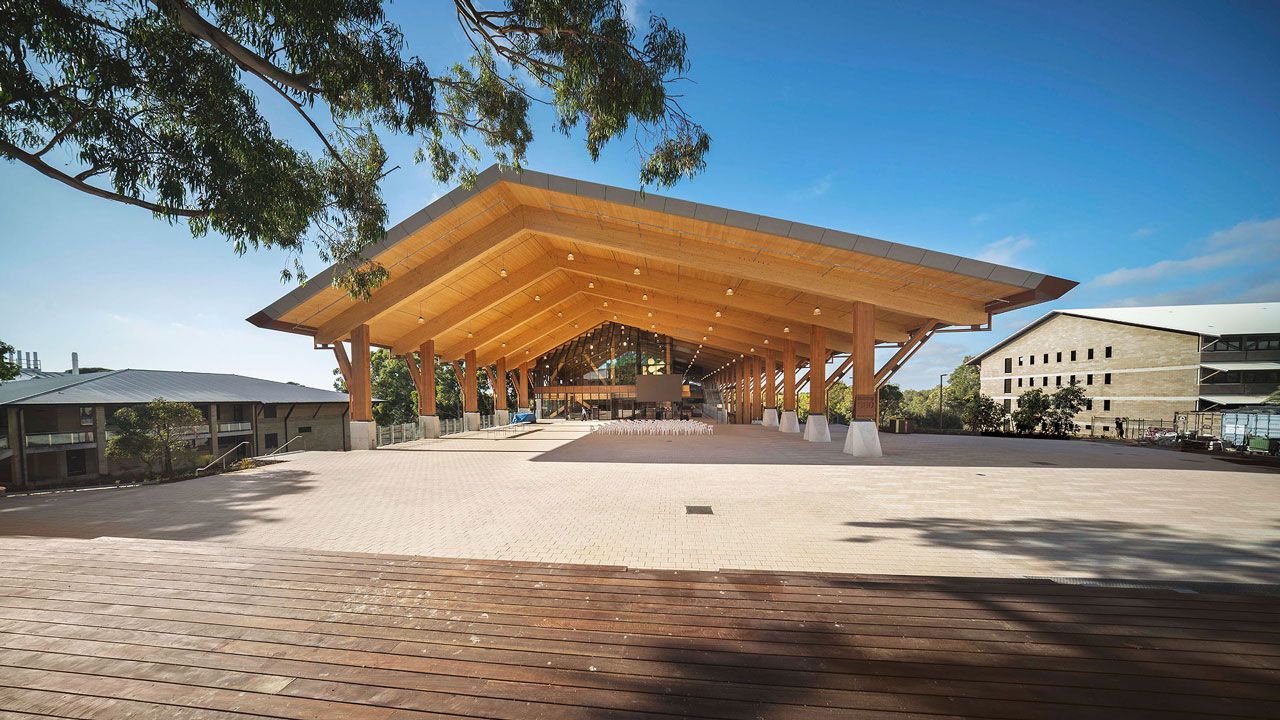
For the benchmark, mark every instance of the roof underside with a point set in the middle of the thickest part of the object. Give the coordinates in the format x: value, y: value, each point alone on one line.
x: 509, y: 267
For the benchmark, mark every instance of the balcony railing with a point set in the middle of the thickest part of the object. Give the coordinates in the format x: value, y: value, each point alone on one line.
x: 231, y: 427
x: 58, y: 438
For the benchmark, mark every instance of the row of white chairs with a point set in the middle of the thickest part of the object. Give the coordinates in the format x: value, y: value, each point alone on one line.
x: 654, y: 427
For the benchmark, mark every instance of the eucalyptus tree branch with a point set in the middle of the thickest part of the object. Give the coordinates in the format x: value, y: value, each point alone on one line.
x: 44, y: 168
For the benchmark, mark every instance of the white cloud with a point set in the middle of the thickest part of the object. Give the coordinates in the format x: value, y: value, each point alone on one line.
x: 1248, y: 243
x: 1265, y: 292
x: 1002, y: 252
x: 980, y: 218
x: 1143, y: 232
x: 631, y: 11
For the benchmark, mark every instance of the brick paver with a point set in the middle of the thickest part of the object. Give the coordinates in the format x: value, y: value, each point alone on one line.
x: 935, y: 505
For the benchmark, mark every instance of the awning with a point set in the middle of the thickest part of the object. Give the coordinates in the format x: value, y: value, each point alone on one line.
x: 1235, y: 366
x: 1234, y: 399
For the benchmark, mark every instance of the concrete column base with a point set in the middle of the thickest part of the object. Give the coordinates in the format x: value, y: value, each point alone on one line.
x: 470, y: 421
x: 429, y: 425
x: 790, y: 422
x: 503, y: 417
x: 770, y: 417
x: 364, y: 435
x: 863, y: 439
x: 524, y: 410
x: 816, y: 430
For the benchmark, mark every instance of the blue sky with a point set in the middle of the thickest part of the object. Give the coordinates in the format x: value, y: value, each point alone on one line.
x: 1134, y: 147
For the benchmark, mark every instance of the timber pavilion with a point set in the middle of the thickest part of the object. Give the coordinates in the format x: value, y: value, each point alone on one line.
x: 590, y: 296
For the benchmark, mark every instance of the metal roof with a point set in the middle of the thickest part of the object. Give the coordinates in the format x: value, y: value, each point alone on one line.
x: 139, y: 386
x: 1211, y: 320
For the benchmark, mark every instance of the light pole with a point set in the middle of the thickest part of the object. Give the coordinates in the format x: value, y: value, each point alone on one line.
x: 940, y: 377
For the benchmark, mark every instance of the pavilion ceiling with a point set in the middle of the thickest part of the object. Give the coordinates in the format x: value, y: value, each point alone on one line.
x: 524, y: 263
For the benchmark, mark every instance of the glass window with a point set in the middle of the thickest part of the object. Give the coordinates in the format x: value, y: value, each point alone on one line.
x: 1008, y: 385
x: 86, y: 415
x: 1046, y: 357
x: 1088, y: 379
x: 1073, y: 354
x: 1107, y: 352
x: 271, y: 440
x: 1032, y: 359
x: 304, y: 429
x: 1058, y: 381
x: 1059, y: 357
x: 269, y: 411
x: 1106, y: 404
x: 1106, y: 379
x: 1008, y: 365
x: 1019, y: 361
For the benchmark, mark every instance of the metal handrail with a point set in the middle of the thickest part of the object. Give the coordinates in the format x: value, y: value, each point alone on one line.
x: 295, y: 437
x: 224, y: 465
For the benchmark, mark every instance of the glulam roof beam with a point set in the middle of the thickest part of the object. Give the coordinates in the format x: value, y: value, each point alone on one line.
x: 756, y: 265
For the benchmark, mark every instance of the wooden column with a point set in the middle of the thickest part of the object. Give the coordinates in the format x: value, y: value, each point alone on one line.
x: 788, y: 375
x: 522, y: 385
x: 470, y: 381
x: 770, y: 388
x: 817, y: 370
x: 500, y: 385
x: 427, y: 375
x: 361, y: 385
x: 753, y: 413
x: 864, y: 361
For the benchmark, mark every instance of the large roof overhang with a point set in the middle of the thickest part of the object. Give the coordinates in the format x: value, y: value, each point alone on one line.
x: 489, y: 268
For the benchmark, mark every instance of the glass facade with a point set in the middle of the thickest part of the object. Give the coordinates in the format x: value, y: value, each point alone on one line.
x: 593, y: 376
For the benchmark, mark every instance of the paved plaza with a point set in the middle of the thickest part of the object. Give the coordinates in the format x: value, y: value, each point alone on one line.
x: 935, y: 505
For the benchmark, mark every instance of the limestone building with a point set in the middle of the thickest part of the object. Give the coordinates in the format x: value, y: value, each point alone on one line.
x: 1142, y: 362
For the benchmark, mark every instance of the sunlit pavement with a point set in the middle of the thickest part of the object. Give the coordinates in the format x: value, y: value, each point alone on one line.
x: 935, y: 505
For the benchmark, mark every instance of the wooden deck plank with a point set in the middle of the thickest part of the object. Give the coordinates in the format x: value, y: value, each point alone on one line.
x: 754, y: 619
x: 89, y: 626
x: 772, y: 587
x: 706, y: 599
x: 495, y: 622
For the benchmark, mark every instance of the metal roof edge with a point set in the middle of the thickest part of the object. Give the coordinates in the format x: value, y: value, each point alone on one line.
x: 88, y: 377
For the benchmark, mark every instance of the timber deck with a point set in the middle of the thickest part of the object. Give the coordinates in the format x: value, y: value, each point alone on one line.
x: 111, y: 628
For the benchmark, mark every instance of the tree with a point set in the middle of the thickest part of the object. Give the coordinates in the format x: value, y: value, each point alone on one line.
x: 1273, y: 398
x: 154, y: 433
x: 891, y: 404
x: 8, y: 370
x: 159, y: 105
x: 963, y: 384
x: 984, y: 414
x: 1033, y: 406
x: 1064, y: 403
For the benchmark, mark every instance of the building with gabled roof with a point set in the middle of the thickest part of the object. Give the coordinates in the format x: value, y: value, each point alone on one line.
x: 56, y: 428
x: 1142, y: 362
x: 527, y: 273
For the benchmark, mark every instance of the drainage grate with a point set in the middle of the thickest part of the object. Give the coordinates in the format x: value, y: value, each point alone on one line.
x: 698, y: 510
x: 1041, y: 462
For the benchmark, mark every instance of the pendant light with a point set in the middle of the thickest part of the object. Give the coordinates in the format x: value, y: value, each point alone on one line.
x: 570, y: 257
x: 636, y: 271
x: 817, y: 311
x: 420, y: 318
